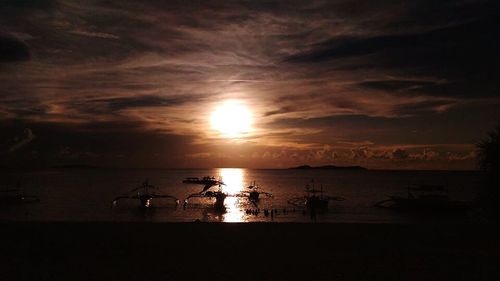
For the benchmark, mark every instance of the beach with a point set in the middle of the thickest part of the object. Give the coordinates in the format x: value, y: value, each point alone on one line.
x: 247, y: 251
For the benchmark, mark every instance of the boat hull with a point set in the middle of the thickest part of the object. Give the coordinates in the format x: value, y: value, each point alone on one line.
x: 317, y: 204
x: 424, y: 205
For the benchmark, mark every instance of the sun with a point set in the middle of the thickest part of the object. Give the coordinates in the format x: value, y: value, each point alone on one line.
x: 232, y: 119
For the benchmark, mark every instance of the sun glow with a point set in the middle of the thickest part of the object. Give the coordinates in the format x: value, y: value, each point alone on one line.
x: 232, y: 119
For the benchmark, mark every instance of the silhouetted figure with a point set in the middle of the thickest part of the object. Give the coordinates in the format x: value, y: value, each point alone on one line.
x: 313, y: 214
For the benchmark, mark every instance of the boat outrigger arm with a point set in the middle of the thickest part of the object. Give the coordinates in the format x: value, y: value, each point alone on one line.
x: 218, y: 195
x: 301, y: 202
x: 312, y: 200
x: 144, y: 195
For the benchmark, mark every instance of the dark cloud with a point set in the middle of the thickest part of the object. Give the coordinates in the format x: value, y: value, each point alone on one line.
x: 418, y: 108
x: 13, y: 49
x: 443, y: 45
x: 121, y: 103
x: 396, y: 85
x: 464, y: 56
x: 282, y: 110
x: 344, y: 47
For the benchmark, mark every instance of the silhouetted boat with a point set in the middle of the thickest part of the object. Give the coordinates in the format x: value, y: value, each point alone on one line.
x: 254, y: 194
x: 145, y: 195
x: 208, y: 182
x: 314, y: 199
x: 433, y: 198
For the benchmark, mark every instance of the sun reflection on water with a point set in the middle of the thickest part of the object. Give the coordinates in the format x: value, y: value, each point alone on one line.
x: 234, y: 180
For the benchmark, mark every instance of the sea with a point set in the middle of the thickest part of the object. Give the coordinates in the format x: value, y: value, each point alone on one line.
x: 74, y: 194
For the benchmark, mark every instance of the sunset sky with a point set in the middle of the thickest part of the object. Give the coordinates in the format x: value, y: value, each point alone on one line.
x: 382, y: 84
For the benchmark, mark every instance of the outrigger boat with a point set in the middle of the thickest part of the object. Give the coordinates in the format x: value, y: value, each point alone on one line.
x: 433, y: 198
x: 145, y: 194
x: 314, y: 199
x: 254, y: 193
x: 207, y: 183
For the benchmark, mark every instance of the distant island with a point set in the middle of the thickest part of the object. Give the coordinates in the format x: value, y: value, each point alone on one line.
x: 329, y: 167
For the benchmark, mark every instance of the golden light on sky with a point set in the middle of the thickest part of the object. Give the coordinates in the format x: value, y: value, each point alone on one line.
x: 232, y: 119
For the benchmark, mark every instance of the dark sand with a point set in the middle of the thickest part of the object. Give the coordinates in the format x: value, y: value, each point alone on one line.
x: 253, y: 251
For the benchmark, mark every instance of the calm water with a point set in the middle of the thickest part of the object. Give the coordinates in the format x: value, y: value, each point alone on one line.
x: 86, y: 195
